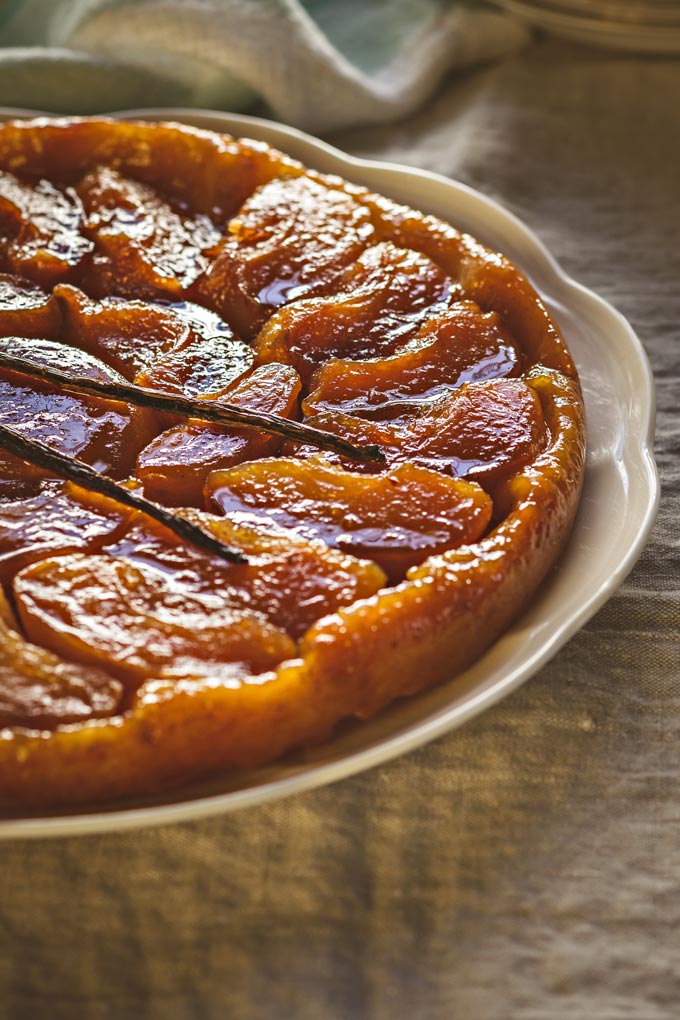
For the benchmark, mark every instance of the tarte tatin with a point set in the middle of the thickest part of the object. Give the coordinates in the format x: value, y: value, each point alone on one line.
x: 220, y: 274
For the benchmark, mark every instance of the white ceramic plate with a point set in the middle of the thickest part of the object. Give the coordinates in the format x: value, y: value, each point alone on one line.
x: 618, y: 507
x: 654, y: 30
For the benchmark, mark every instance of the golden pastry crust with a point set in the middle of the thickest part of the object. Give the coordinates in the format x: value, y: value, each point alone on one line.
x: 389, y: 277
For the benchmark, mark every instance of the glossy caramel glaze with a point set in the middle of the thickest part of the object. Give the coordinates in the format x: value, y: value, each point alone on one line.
x: 145, y: 246
x: 381, y: 301
x: 104, y: 433
x: 174, y: 467
x: 151, y: 608
x: 39, y: 689
x: 44, y: 227
x: 483, y: 431
x: 211, y: 267
x: 291, y: 238
x: 51, y: 518
x: 460, y: 345
x: 396, y: 518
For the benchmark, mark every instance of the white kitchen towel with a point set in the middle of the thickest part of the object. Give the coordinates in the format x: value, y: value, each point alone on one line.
x: 318, y: 64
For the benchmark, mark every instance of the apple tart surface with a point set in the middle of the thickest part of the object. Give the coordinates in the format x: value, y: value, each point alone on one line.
x: 220, y: 271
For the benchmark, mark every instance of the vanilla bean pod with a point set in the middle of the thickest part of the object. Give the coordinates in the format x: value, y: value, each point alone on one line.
x: 73, y: 470
x: 218, y: 411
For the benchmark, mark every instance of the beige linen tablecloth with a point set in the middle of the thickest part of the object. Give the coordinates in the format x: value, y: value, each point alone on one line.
x: 525, y: 867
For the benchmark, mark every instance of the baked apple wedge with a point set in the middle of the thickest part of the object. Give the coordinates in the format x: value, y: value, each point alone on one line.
x: 396, y: 518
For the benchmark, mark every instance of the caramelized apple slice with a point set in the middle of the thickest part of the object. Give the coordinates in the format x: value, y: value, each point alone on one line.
x: 134, y: 621
x: 105, y: 433
x: 279, y: 563
x: 205, y: 366
x: 484, y: 431
x: 381, y: 300
x: 459, y: 346
x: 154, y: 608
x: 291, y: 238
x: 174, y: 466
x: 180, y: 347
x: 128, y: 335
x: 145, y: 245
x: 43, y: 226
x: 38, y: 690
x: 485, y: 276
x: 409, y: 228
x: 58, y: 518
x: 25, y: 309
x: 210, y: 361
x: 396, y: 519
x: 212, y: 173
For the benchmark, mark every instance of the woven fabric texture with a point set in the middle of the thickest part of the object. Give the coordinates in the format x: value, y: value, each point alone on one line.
x: 320, y: 64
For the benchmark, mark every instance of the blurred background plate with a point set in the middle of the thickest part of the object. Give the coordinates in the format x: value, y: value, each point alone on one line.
x: 645, y: 27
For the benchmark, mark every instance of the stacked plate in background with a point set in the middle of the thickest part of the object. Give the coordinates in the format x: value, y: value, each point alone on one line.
x: 651, y: 26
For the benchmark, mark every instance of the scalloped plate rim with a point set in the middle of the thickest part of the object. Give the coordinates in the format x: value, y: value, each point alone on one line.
x: 639, y: 446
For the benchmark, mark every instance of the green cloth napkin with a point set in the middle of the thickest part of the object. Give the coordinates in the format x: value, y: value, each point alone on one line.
x: 319, y: 64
